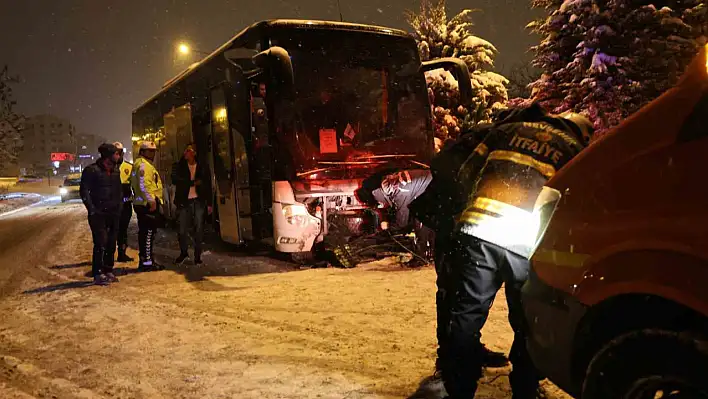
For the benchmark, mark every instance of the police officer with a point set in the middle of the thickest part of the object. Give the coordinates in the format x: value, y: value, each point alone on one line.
x: 502, y: 179
x: 101, y: 194
x: 147, y: 187
x: 124, y: 169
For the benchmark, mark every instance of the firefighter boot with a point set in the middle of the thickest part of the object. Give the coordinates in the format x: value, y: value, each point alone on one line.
x: 122, y: 255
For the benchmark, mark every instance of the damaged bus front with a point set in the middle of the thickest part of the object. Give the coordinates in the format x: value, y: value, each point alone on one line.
x: 292, y: 116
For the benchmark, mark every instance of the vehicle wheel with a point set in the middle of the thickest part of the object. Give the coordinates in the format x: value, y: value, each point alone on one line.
x: 649, y: 364
x: 302, y: 258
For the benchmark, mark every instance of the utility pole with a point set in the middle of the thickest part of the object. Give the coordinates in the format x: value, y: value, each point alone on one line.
x: 339, y: 6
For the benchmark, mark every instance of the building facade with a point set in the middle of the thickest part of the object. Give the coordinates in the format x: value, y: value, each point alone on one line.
x: 87, y: 148
x: 43, y: 135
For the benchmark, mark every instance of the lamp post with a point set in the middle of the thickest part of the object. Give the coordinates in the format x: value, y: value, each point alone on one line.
x: 184, y: 49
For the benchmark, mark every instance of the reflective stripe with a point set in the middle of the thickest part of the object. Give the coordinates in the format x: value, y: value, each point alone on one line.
x: 476, y: 212
x: 558, y: 258
x: 482, y: 149
x: 498, y: 207
x: 141, y: 181
x: 472, y: 216
x: 545, y: 169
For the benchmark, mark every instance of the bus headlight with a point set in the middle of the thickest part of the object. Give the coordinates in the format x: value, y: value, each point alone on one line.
x: 63, y: 191
x: 296, y: 214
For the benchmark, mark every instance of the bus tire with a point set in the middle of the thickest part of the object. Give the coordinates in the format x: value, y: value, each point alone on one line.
x: 302, y: 258
x: 647, y: 363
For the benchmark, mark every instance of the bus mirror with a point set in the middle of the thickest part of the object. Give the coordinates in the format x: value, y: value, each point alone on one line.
x: 459, y: 70
x: 242, y: 58
x: 277, y: 60
x: 239, y: 54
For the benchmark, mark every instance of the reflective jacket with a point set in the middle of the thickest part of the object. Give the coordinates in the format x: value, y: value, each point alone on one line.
x: 145, y: 182
x: 505, y: 174
x: 125, y: 169
x: 444, y: 198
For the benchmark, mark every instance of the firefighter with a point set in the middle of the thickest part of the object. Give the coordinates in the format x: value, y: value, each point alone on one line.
x: 500, y: 182
x: 124, y: 168
x: 435, y: 209
x: 147, y: 188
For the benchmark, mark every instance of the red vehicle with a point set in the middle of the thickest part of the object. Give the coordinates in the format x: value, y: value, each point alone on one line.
x: 617, y: 300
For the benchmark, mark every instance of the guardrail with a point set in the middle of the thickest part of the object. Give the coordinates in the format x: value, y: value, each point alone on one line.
x: 6, y: 183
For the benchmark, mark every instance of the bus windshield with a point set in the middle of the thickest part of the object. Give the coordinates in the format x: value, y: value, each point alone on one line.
x: 359, y: 96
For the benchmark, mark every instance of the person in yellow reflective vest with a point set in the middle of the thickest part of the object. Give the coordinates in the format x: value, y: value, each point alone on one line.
x: 124, y: 168
x: 147, y: 189
x: 492, y: 194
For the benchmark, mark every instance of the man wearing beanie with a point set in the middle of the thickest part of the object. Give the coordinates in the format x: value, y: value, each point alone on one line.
x: 102, y: 195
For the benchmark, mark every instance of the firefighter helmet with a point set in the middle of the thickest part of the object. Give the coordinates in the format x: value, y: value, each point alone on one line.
x: 582, y: 122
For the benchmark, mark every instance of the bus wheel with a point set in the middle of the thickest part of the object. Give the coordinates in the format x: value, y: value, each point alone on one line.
x: 650, y: 363
x: 303, y: 258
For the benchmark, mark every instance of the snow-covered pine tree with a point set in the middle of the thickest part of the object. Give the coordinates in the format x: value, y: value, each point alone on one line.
x: 608, y: 58
x: 439, y: 37
x: 10, y: 123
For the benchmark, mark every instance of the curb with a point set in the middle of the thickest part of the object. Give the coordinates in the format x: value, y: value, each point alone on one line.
x: 41, y: 201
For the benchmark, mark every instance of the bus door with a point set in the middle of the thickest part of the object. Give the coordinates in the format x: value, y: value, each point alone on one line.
x: 261, y: 183
x: 223, y: 169
x: 239, y: 112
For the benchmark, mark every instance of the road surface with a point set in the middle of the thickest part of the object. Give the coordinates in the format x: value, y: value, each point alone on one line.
x: 244, y: 327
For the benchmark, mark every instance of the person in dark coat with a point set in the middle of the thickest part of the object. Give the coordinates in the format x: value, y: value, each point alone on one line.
x: 193, y: 198
x: 102, y: 194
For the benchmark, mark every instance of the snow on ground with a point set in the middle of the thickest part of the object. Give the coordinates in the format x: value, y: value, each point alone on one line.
x: 322, y: 333
x: 13, y: 201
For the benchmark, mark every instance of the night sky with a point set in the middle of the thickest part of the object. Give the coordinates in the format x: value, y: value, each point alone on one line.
x: 94, y: 61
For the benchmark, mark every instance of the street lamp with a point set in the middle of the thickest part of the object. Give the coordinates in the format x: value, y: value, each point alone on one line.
x: 185, y: 49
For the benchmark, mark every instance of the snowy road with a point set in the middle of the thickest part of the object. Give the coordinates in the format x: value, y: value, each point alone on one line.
x: 228, y: 333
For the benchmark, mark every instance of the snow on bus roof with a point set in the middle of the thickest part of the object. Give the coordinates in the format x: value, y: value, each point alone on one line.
x: 295, y: 23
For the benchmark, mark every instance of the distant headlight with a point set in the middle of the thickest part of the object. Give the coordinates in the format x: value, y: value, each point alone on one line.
x: 63, y: 191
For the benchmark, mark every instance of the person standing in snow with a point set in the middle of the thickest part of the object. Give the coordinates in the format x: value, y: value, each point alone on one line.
x: 193, y: 199
x: 124, y: 169
x: 102, y: 196
x: 492, y: 190
x: 147, y: 187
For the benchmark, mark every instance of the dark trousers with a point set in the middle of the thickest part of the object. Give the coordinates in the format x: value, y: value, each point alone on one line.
x: 104, y: 229
x: 147, y: 230
x: 191, y: 214
x: 125, y: 215
x: 444, y: 283
x: 480, y: 268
